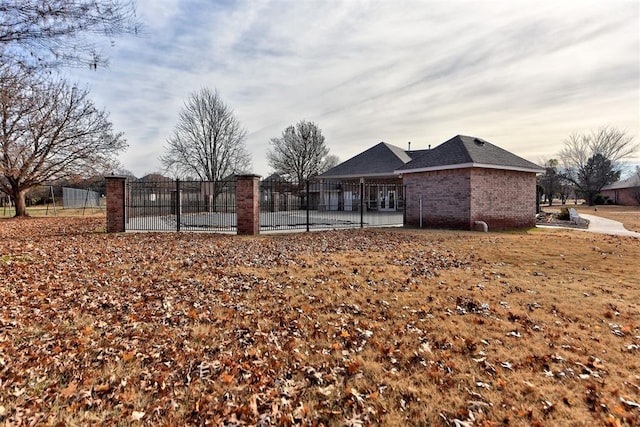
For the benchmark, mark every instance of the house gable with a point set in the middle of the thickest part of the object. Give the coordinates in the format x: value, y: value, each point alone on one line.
x: 381, y: 160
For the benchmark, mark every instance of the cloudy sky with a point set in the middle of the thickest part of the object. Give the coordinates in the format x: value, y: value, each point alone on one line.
x: 523, y: 75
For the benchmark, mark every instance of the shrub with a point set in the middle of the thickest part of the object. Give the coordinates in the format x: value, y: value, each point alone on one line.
x: 564, y: 214
x: 600, y: 199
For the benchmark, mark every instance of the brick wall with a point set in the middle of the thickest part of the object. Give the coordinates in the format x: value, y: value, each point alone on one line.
x: 623, y: 196
x: 445, y: 198
x: 503, y: 199
x: 457, y: 198
x: 116, y: 200
x: 248, y: 204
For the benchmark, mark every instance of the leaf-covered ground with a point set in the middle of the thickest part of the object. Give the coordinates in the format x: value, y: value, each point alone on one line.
x: 363, y: 327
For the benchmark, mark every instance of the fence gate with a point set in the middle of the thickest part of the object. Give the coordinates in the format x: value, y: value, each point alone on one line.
x: 174, y: 205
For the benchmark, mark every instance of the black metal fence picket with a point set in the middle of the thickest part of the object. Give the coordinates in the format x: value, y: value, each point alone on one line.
x: 320, y: 203
x: 175, y: 205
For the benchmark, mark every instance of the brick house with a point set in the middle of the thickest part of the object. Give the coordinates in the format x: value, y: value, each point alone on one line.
x: 626, y: 192
x: 465, y: 180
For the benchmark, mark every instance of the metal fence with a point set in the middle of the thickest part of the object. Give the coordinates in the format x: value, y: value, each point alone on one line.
x: 318, y: 204
x: 284, y: 205
x: 170, y: 205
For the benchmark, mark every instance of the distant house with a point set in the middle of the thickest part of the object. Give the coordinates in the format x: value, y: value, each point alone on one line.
x: 453, y: 185
x: 626, y: 192
x: 467, y: 179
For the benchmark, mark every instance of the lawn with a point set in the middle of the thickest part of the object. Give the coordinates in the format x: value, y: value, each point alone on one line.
x: 356, y: 327
x: 54, y: 211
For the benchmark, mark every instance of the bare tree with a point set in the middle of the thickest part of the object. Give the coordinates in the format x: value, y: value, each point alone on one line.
x: 208, y: 141
x: 300, y: 153
x: 50, y: 33
x: 550, y: 180
x: 594, y: 160
x: 330, y: 161
x: 49, y: 130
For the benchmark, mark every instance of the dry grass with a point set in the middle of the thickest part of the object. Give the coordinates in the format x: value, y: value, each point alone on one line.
x: 367, y: 327
x: 57, y: 211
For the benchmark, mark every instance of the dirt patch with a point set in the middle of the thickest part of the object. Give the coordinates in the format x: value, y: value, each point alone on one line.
x: 360, y: 327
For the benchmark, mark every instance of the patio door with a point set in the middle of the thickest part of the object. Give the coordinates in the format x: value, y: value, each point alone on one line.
x: 387, y: 198
x: 391, y: 200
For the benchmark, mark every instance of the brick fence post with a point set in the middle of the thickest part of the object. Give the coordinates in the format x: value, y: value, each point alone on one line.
x: 248, y: 204
x: 116, y: 197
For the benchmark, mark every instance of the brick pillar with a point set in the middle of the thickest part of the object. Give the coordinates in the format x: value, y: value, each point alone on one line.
x: 248, y: 204
x: 116, y: 196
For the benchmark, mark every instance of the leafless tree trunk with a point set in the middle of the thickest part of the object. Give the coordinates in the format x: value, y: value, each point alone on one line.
x: 50, y: 33
x: 208, y: 141
x: 48, y: 131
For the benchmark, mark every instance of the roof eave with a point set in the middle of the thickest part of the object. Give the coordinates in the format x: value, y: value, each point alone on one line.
x: 470, y: 165
x: 393, y: 174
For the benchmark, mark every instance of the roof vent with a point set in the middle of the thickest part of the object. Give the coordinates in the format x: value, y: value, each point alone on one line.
x: 479, y: 141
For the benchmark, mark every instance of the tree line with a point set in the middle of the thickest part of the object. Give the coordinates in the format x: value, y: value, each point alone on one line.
x: 586, y: 164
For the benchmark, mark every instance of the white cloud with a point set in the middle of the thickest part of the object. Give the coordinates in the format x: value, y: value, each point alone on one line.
x: 521, y: 74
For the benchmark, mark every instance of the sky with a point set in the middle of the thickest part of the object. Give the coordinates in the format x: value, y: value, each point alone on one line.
x: 523, y: 75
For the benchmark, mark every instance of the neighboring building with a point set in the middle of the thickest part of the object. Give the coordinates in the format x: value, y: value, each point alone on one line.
x: 626, y: 192
x: 453, y: 185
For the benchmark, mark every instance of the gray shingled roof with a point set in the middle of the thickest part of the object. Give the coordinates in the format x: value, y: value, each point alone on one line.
x: 467, y: 150
x: 632, y: 181
x: 380, y: 160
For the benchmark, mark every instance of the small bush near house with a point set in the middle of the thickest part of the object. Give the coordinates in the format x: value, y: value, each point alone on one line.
x: 600, y: 200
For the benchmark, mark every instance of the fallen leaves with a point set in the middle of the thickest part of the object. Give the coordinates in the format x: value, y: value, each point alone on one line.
x: 69, y: 390
x: 137, y: 415
x: 379, y: 326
